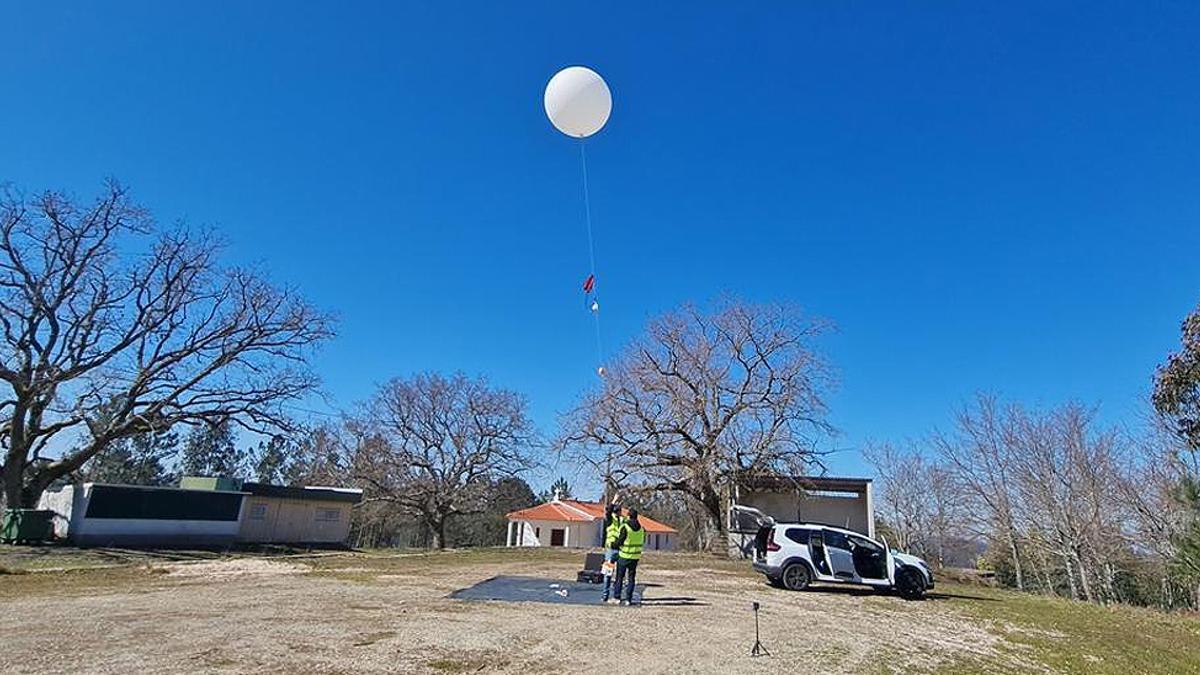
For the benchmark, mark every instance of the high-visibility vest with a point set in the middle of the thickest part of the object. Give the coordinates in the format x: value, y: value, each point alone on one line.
x: 614, y: 529
x: 634, y: 541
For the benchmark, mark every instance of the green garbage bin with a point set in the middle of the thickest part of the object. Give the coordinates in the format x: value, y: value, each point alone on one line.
x: 24, y: 526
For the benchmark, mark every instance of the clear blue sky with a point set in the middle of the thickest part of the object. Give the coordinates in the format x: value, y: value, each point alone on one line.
x: 981, y: 196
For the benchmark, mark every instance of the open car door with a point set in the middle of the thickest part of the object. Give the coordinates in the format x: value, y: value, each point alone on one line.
x: 747, y: 520
x: 816, y: 553
x: 891, y: 562
x: 871, y: 560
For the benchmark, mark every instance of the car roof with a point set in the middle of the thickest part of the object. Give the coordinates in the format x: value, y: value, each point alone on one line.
x: 822, y: 526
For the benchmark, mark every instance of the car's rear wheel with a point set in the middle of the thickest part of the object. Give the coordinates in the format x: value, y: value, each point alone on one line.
x: 796, y: 577
x: 910, y: 584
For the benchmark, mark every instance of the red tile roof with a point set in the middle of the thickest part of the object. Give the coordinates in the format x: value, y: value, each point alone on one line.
x: 569, y: 510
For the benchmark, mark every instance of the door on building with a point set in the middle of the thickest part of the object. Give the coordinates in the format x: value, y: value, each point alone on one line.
x: 558, y: 537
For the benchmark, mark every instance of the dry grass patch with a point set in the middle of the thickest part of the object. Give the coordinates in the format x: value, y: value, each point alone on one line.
x: 385, y: 612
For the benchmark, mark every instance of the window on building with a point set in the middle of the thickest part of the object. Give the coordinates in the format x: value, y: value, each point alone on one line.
x: 558, y: 537
x: 258, y: 512
x: 329, y: 515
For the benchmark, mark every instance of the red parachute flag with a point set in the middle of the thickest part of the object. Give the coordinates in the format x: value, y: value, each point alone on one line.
x: 589, y: 284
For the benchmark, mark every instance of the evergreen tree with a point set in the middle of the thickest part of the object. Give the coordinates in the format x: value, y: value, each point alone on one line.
x: 211, y: 450
x: 316, y: 457
x: 1186, y: 565
x: 137, y: 460
x: 274, y: 461
x: 489, y: 526
x: 559, y: 487
x: 1177, y: 400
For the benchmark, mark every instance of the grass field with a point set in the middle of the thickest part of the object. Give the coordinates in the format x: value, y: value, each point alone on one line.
x: 110, y: 611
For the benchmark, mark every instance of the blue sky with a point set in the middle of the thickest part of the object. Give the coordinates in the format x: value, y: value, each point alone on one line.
x: 982, y: 196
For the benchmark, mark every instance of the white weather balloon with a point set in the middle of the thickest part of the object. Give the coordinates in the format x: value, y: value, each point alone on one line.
x: 578, y: 101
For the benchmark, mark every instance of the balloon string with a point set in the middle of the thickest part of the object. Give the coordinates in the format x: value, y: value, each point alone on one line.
x: 587, y: 213
x: 587, y: 206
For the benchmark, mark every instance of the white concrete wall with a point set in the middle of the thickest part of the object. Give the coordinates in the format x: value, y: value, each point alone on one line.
x: 581, y: 535
x: 578, y: 535
x: 660, y: 541
x: 853, y: 512
x: 131, y: 530
x: 63, y: 503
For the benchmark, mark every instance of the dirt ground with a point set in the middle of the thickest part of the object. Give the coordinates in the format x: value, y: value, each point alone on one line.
x: 362, y: 613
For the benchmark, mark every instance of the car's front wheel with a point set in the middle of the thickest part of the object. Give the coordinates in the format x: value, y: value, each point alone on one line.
x: 796, y: 577
x: 910, y: 584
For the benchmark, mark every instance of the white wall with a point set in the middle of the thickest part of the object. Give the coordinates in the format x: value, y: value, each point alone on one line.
x: 660, y: 541
x: 62, y: 502
x: 853, y: 512
x: 136, y: 530
x: 578, y: 535
x: 581, y: 535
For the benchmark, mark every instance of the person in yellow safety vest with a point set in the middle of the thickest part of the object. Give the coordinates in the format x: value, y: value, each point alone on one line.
x: 630, y: 540
x: 612, y: 527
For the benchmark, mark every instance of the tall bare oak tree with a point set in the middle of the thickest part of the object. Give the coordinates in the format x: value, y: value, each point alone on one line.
x: 110, y: 329
x: 432, y: 446
x: 704, y: 398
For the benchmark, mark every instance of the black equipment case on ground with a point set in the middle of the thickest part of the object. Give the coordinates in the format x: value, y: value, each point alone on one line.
x: 591, y: 573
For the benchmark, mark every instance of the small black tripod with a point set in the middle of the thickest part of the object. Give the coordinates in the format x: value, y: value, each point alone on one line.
x: 758, y: 649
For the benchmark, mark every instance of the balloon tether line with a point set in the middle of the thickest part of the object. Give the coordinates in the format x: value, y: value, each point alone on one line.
x: 587, y: 213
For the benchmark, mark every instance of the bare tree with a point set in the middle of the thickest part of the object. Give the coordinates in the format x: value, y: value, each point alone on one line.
x: 918, y: 501
x: 706, y: 397
x: 1064, y: 473
x: 432, y: 446
x: 100, y: 344
x: 902, y: 502
x: 979, y: 457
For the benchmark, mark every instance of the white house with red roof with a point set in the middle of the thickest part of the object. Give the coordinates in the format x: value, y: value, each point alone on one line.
x: 575, y: 524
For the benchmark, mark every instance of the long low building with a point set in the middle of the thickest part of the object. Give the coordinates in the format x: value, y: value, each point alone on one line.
x: 202, y: 512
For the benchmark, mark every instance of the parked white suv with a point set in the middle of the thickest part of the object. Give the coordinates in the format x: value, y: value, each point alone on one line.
x: 793, y: 555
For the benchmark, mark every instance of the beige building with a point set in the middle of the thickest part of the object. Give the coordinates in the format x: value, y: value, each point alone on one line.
x: 273, y: 514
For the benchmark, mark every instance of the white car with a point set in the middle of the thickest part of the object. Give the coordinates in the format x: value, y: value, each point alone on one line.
x: 793, y: 555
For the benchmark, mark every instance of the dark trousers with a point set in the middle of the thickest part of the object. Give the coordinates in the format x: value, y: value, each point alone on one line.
x: 625, y: 566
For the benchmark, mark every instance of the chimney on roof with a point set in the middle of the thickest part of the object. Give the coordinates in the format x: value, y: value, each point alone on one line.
x: 556, y: 495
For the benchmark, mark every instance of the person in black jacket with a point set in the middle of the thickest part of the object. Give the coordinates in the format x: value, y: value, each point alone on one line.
x: 629, y: 543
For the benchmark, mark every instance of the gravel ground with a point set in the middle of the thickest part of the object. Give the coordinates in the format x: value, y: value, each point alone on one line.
x: 376, y: 614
